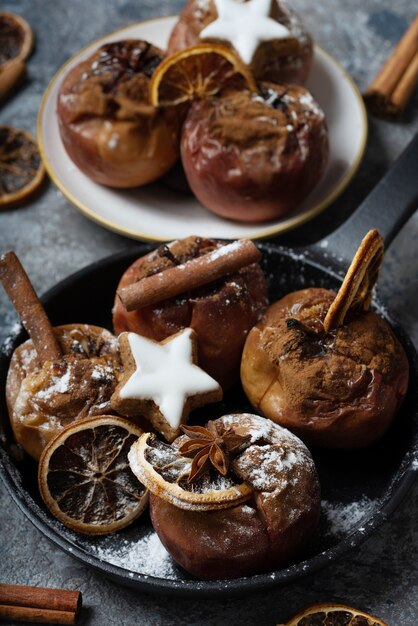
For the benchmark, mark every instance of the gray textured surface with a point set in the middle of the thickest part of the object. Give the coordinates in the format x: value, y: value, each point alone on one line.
x: 53, y: 240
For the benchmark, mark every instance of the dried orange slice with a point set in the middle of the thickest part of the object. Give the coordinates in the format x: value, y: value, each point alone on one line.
x: 198, y: 72
x: 85, y: 479
x: 21, y: 167
x: 16, y: 42
x: 161, y: 468
x: 16, y: 38
x: 333, y: 615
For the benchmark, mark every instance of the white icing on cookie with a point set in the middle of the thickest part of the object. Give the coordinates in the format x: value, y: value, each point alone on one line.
x: 244, y: 25
x: 165, y: 373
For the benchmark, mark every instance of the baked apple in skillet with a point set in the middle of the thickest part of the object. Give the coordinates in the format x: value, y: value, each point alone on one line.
x: 221, y: 310
x: 236, y: 498
x: 326, y: 367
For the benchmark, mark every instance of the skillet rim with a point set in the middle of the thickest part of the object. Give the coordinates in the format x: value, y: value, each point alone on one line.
x: 401, y: 482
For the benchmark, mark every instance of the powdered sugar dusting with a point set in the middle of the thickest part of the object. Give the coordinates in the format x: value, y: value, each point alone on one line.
x: 261, y: 428
x: 343, y: 518
x: 10, y: 341
x: 277, y: 461
x: 60, y: 384
x: 102, y: 373
x: 271, y: 462
x: 230, y: 248
x: 29, y: 358
x: 146, y: 556
x: 311, y: 105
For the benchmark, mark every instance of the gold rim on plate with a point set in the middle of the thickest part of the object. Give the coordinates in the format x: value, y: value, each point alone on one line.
x: 283, y: 227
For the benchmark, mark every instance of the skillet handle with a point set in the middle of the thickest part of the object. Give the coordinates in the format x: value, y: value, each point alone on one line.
x: 387, y: 207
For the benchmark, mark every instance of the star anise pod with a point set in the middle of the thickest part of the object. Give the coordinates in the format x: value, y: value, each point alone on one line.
x: 207, y: 447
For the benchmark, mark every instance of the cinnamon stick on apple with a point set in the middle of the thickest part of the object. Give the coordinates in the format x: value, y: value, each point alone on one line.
x: 27, y: 304
x: 195, y: 273
x: 355, y: 293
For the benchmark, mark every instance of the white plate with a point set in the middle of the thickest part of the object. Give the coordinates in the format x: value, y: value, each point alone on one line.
x: 158, y: 213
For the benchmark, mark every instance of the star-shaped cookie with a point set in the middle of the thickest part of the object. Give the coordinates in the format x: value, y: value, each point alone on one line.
x: 162, y: 381
x: 244, y: 25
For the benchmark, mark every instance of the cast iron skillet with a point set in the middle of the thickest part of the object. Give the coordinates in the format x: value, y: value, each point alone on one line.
x: 379, y: 476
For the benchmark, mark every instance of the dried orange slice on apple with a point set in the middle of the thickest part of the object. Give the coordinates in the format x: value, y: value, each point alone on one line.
x: 84, y: 476
x: 21, y: 167
x: 161, y: 468
x: 333, y: 615
x: 198, y: 72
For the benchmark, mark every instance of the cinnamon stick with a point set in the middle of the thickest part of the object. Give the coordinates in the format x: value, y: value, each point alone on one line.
x: 406, y: 86
x: 35, y: 615
x: 355, y: 293
x: 32, y: 314
x: 39, y: 604
x: 195, y: 273
x: 389, y: 92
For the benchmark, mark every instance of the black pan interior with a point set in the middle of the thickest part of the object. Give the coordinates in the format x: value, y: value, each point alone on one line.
x: 359, y: 489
